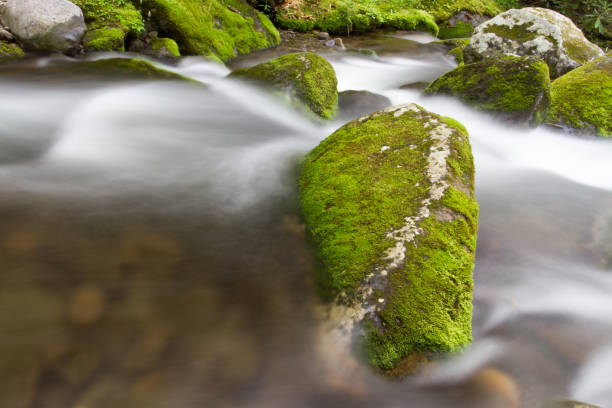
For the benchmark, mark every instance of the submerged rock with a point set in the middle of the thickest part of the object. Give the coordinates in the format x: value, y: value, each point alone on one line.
x: 306, y: 77
x: 46, y: 25
x: 353, y: 104
x: 538, y: 32
x: 517, y: 87
x: 582, y: 98
x: 388, y: 200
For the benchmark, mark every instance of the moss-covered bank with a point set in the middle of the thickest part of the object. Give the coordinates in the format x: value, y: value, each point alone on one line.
x: 582, y: 98
x: 306, y: 77
x: 389, y: 204
x: 515, y: 86
x: 355, y: 16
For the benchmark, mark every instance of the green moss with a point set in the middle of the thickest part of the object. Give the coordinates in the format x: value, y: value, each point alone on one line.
x: 353, y: 194
x: 165, y: 44
x: 357, y: 16
x: 8, y: 50
x: 516, y: 86
x: 105, y: 39
x: 461, y: 29
x: 120, y: 69
x: 582, y: 98
x: 520, y: 33
x: 225, y: 28
x: 305, y: 76
x: 458, y: 54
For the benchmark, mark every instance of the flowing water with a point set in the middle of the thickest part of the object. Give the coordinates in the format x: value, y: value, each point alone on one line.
x: 152, y: 253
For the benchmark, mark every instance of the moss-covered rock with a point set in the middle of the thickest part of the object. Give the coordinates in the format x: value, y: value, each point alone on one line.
x: 354, y: 16
x: 165, y: 47
x: 224, y: 28
x: 10, y: 50
x: 306, y: 77
x: 389, y: 203
x: 532, y: 31
x: 454, y: 47
x: 582, y: 98
x: 109, y: 22
x: 460, y: 25
x: 518, y: 87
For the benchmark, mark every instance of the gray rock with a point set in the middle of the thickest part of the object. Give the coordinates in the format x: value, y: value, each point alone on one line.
x: 5, y: 35
x: 46, y: 25
x: 535, y: 32
x: 323, y: 35
x: 354, y: 104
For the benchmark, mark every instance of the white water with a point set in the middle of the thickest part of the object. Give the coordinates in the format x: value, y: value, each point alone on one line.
x: 543, y: 310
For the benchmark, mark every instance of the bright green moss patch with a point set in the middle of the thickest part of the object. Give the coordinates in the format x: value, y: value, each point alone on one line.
x: 582, y: 98
x: 461, y: 29
x: 306, y: 77
x: 165, y: 45
x: 516, y: 86
x: 225, y: 28
x: 105, y: 39
x: 353, y: 16
x: 357, y: 187
x: 8, y: 50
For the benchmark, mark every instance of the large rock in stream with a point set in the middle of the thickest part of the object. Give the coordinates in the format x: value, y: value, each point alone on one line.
x: 46, y: 25
x: 389, y: 203
x: 307, y: 78
x: 582, y: 98
x: 516, y: 87
x: 537, y: 32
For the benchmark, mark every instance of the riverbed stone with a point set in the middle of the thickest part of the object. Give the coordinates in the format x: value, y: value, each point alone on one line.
x: 533, y: 31
x: 353, y: 104
x: 307, y: 78
x: 10, y: 50
x: 582, y: 98
x: 517, y: 87
x: 389, y: 204
x: 46, y: 25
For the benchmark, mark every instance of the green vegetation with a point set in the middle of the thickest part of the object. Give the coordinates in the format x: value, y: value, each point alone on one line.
x: 461, y: 29
x: 582, y: 98
x: 358, y: 16
x: 105, y: 39
x: 8, y: 50
x: 306, y: 77
x: 224, y: 28
x: 516, y: 86
x: 353, y: 193
x: 167, y: 45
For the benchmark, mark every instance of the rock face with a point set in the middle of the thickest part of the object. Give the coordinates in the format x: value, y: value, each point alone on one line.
x: 582, y: 98
x: 518, y: 87
x: 533, y: 31
x: 306, y: 77
x: 389, y: 204
x: 48, y: 25
x: 353, y: 104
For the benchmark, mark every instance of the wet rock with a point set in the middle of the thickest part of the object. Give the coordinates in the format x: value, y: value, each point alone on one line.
x: 495, y: 387
x: 20, y: 371
x: 307, y: 78
x: 47, y: 25
x: 567, y: 403
x: 531, y: 31
x: 582, y: 98
x: 164, y: 48
x: 5, y: 35
x: 148, y: 253
x: 323, y: 35
x: 77, y: 366
x: 354, y: 104
x: 518, y: 88
x: 460, y: 25
x: 419, y: 86
x: 330, y: 43
x: 87, y: 305
x: 389, y: 204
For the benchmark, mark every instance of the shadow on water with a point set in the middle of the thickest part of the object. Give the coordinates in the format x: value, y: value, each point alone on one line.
x: 152, y: 253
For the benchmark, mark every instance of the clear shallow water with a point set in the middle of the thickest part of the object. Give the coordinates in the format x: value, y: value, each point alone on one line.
x: 152, y: 253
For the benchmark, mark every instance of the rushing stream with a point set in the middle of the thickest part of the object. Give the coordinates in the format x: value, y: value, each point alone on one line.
x: 152, y: 253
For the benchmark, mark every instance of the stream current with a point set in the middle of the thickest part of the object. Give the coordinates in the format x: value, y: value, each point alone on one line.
x: 152, y: 253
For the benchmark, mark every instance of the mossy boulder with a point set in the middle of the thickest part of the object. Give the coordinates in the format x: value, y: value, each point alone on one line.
x: 224, y: 28
x: 165, y: 47
x: 582, y: 98
x: 109, y: 23
x: 10, y: 50
x: 518, y: 87
x: 307, y: 78
x: 460, y: 25
x: 533, y: 31
x: 354, y: 16
x: 389, y: 204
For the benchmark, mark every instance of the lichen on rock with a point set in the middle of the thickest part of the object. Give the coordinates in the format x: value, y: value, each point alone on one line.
x: 582, y: 98
x: 518, y: 87
x: 533, y: 31
x: 307, y: 78
x: 389, y: 203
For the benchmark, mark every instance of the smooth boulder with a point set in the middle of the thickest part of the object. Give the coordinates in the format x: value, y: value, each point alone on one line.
x: 533, y: 31
x: 46, y: 25
x: 353, y: 104
x: 307, y: 78
x: 517, y: 87
x: 389, y: 204
x: 582, y: 98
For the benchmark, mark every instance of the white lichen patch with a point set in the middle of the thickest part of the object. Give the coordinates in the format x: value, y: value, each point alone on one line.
x: 384, y: 149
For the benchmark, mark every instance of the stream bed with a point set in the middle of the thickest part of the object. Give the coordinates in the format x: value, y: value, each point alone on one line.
x: 153, y: 255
